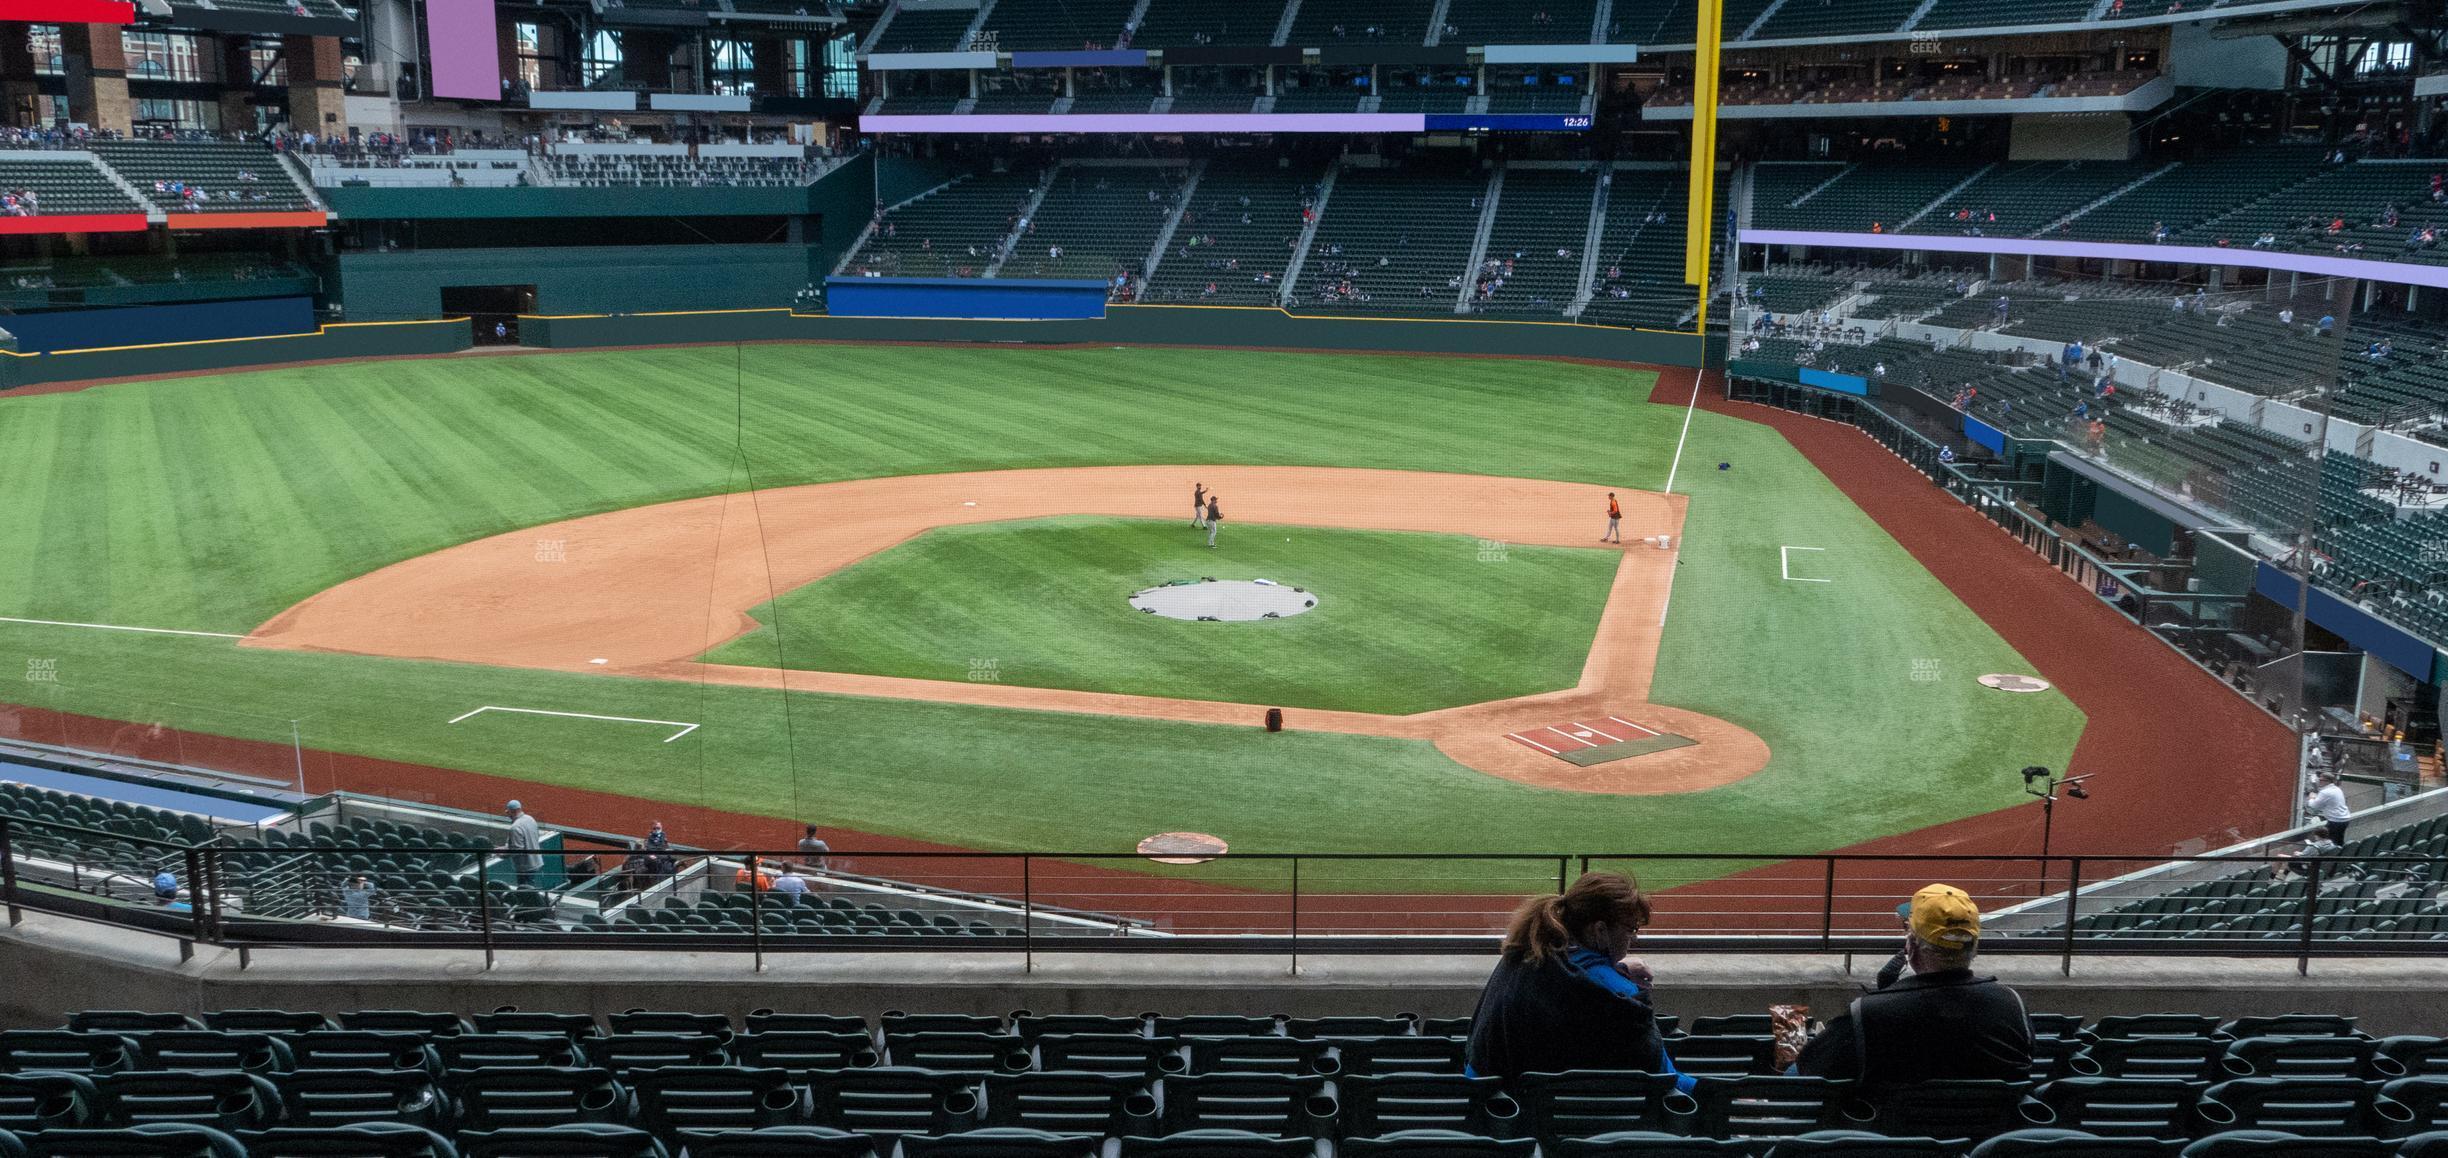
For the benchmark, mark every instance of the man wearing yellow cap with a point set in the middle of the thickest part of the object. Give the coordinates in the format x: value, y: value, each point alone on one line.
x: 1939, y: 1022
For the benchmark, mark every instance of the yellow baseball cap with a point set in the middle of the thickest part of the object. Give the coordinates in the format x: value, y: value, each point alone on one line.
x: 1945, y: 915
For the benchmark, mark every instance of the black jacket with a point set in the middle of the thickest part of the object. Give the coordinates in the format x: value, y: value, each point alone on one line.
x: 1551, y: 1017
x: 1926, y: 1027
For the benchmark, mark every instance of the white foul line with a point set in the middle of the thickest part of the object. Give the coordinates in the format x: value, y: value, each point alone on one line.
x: 685, y: 728
x: 119, y: 627
x: 1688, y: 407
x: 1785, y: 564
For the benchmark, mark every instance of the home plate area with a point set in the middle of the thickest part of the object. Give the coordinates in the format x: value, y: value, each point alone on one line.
x: 1598, y: 740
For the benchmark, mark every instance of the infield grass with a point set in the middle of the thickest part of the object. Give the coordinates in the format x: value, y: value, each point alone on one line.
x: 212, y: 503
x: 1407, y: 622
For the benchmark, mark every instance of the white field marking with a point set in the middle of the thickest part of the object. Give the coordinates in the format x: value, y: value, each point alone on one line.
x: 1594, y: 731
x: 1533, y: 743
x: 1785, y: 564
x: 1630, y: 724
x: 1575, y: 739
x: 685, y: 728
x: 1688, y: 407
x: 121, y: 627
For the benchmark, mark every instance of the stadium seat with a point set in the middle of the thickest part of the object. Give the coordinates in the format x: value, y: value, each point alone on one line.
x: 1440, y: 1144
x: 267, y: 1021
x: 623, y: 1052
x: 512, y: 1020
x: 781, y: 1142
x: 2412, y: 1106
x: 2049, y: 1142
x: 2433, y: 1145
x: 1030, y: 1027
x: 519, y: 1097
x: 211, y: 1049
x: 2123, y: 1107
x: 1003, y: 1142
x: 127, y: 1021
x: 1589, y: 1103
x: 1069, y: 1103
x: 2415, y: 1055
x: 1723, y: 1055
x: 364, y: 1140
x: 362, y: 1049
x: 223, y: 1099
x: 1356, y: 1056
x: 347, y: 1097
x: 159, y: 1140
x: 1261, y: 1055
x: 1859, y: 1144
x: 671, y: 1099
x: 576, y: 1141
x: 1647, y: 1144
x: 1971, y: 1110
x: 957, y: 1051
x: 45, y: 1100
x: 2279, y: 1144
x: 468, y: 1051
x: 1767, y: 1106
x: 2315, y: 1107
x: 65, y: 1050
x: 894, y: 1100
x: 1216, y: 1144
x: 1401, y: 1103
x: 1109, y: 1053
x: 795, y: 1050
x: 2193, y: 1059
x: 1280, y: 1105
x: 770, y: 1021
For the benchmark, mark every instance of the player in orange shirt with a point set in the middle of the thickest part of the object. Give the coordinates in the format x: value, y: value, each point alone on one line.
x: 1614, y: 531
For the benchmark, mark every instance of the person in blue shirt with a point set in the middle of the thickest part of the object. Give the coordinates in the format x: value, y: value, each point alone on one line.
x: 1566, y: 994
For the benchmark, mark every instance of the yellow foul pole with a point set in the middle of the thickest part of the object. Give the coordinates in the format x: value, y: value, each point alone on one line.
x: 1701, y: 213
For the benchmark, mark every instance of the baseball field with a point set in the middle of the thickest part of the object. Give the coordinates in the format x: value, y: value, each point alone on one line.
x: 884, y: 589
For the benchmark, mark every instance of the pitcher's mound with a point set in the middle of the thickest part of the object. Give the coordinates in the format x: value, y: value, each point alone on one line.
x: 1224, y: 600
x: 1182, y: 848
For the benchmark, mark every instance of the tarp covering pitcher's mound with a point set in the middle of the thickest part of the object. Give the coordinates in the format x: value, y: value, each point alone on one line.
x: 1224, y: 600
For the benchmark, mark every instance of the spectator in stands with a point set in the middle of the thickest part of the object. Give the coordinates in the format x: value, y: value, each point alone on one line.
x: 1566, y: 994
x: 2327, y: 804
x: 657, y: 840
x: 357, y: 898
x: 165, y: 885
x: 1941, y: 1022
x: 524, y: 842
x: 790, y: 886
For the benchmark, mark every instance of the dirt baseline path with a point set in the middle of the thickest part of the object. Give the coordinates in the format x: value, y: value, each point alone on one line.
x: 641, y: 592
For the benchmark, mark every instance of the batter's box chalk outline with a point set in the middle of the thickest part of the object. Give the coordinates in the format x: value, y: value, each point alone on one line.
x: 684, y: 726
x: 1785, y: 565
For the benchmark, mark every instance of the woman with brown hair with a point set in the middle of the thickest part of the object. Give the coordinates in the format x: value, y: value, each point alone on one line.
x: 1566, y: 995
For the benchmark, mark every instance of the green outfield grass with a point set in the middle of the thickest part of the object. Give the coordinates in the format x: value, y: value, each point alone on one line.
x: 1407, y: 623
x: 209, y: 504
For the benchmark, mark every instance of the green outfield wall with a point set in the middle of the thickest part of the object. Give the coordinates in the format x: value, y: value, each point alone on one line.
x: 590, y: 279
x: 338, y: 341
x: 1136, y: 325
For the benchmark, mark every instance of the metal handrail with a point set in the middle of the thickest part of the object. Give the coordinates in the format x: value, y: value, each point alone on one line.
x: 1795, y: 912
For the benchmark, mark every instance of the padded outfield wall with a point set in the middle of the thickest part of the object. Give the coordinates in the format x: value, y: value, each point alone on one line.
x: 579, y: 279
x: 1124, y: 325
x: 331, y: 342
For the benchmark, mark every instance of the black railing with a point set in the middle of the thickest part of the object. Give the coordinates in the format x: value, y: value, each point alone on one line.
x: 761, y: 903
